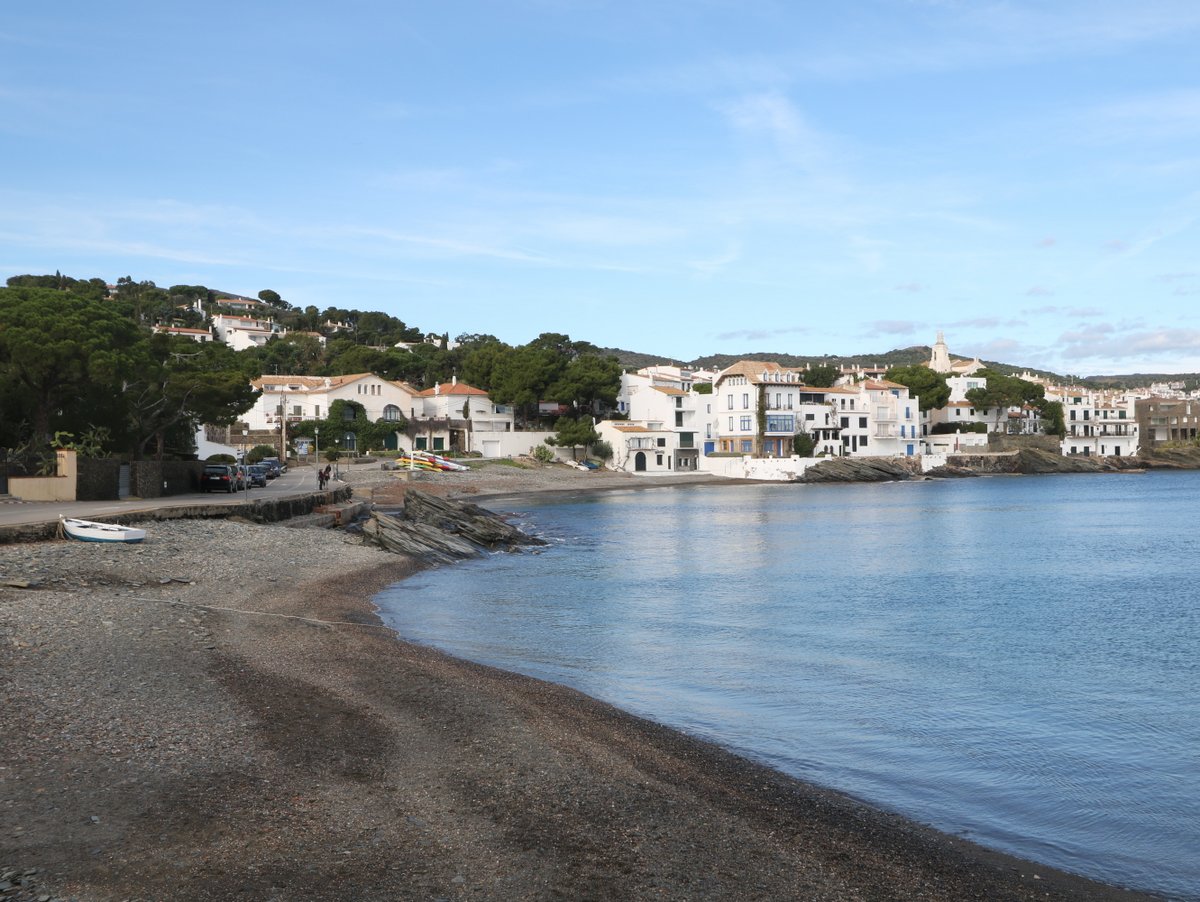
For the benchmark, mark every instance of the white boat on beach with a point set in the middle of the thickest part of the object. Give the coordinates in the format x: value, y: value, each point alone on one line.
x: 88, y: 531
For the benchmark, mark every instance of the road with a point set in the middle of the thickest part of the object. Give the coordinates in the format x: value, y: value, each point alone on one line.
x: 26, y: 513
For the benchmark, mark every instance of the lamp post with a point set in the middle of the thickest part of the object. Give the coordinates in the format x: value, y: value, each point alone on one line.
x: 245, y: 466
x: 337, y: 465
x: 317, y: 443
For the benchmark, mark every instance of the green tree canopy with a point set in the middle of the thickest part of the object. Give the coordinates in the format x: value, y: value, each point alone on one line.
x: 822, y: 376
x: 930, y: 387
x: 56, y: 347
x: 573, y: 433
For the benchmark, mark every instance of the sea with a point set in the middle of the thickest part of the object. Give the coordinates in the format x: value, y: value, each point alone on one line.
x: 1014, y: 660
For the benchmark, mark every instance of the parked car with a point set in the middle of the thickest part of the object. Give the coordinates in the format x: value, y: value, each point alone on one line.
x: 257, y: 474
x: 219, y: 477
x: 274, y: 467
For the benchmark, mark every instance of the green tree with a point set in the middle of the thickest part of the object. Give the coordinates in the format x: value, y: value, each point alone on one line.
x: 56, y: 347
x: 573, y: 433
x: 1002, y: 392
x: 588, y: 381
x: 822, y: 376
x: 179, y: 385
x: 803, y: 444
x: 922, y: 382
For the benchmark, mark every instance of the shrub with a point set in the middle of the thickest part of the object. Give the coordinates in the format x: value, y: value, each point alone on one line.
x: 543, y: 454
x: 221, y: 459
x: 602, y: 450
x: 258, y: 452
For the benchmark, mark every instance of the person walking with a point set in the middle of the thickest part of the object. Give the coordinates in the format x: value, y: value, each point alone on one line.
x: 321, y: 480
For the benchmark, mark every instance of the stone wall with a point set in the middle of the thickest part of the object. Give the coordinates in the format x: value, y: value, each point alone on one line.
x: 999, y: 442
x: 158, y: 479
x: 98, y: 480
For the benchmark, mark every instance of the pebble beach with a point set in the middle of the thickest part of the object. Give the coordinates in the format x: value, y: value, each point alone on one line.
x: 219, y: 714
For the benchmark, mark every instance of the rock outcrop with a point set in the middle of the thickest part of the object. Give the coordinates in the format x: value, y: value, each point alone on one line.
x: 437, y: 530
x: 856, y: 469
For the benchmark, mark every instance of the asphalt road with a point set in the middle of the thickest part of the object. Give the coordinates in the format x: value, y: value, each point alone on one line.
x: 296, y: 481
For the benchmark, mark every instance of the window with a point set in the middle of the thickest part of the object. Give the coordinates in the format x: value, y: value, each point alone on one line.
x: 781, y: 423
x: 862, y: 442
x: 662, y: 443
x: 658, y: 459
x: 730, y: 399
x: 679, y: 418
x: 744, y: 424
x: 810, y: 416
x: 862, y: 422
x: 747, y: 446
x: 391, y: 412
x: 678, y: 403
x: 439, y: 443
x: 317, y: 411
x: 297, y: 410
x: 422, y: 443
x: 778, y: 400
x: 845, y: 422
x: 730, y: 424
x: 745, y: 400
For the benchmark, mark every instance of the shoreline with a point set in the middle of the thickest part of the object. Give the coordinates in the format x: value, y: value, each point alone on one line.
x: 168, y: 750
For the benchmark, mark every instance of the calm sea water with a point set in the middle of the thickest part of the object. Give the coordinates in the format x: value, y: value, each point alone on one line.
x: 1012, y: 660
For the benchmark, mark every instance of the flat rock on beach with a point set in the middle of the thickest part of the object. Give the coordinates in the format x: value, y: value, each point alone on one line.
x: 219, y: 714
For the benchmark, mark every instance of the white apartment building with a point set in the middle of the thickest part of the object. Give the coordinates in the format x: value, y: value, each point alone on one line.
x: 1099, y: 423
x: 758, y: 409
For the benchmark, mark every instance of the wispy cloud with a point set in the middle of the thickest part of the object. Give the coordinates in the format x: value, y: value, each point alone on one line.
x: 759, y: 334
x: 987, y: 322
x: 910, y: 287
x: 1102, y: 344
x: 1046, y: 242
x: 894, y: 327
x: 1039, y: 291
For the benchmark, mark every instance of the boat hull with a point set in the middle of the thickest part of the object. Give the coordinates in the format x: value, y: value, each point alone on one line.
x: 87, y: 531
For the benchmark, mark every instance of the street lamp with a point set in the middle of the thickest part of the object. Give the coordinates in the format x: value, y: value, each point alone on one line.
x: 317, y: 442
x: 245, y: 467
x: 337, y: 466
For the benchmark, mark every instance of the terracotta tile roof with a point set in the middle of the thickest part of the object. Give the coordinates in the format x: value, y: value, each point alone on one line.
x: 675, y: 392
x: 460, y: 388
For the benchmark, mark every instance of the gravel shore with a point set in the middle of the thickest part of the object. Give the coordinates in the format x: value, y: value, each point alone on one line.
x: 218, y: 714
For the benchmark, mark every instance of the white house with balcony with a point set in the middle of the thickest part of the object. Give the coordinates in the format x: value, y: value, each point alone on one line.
x: 758, y: 408
x: 660, y: 402
x: 291, y: 399
x: 1099, y: 423
x: 243, y: 332
x: 459, y: 417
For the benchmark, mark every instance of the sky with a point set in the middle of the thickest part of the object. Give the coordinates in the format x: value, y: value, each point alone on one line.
x: 676, y: 178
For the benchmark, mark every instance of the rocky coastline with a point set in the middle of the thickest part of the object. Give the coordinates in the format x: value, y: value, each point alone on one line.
x: 219, y: 713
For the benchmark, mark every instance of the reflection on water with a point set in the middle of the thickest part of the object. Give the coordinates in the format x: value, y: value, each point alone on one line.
x: 1014, y: 660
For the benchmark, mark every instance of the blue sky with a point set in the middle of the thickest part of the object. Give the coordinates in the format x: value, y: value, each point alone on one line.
x: 681, y: 178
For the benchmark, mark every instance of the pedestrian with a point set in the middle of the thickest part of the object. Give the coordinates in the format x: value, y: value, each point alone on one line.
x: 328, y: 472
x: 321, y: 480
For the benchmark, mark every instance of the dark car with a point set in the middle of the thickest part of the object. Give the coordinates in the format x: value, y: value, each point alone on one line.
x: 274, y: 468
x: 257, y: 474
x: 219, y: 477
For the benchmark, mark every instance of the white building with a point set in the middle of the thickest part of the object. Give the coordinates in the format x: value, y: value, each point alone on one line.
x: 664, y: 421
x: 292, y: 399
x: 758, y: 409
x: 200, y: 335
x: 1099, y: 423
x: 459, y: 417
x: 242, y: 332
